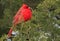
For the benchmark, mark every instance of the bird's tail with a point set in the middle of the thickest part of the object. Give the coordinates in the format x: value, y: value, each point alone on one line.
x: 10, y: 31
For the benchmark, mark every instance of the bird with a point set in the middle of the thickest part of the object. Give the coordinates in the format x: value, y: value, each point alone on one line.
x: 23, y: 15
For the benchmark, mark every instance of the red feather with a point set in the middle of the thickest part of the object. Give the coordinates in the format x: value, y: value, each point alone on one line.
x: 23, y: 14
x: 9, y: 33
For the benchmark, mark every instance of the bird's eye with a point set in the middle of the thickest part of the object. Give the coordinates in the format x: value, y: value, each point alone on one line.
x: 26, y: 6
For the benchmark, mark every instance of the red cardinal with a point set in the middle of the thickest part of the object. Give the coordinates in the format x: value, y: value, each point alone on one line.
x: 23, y: 14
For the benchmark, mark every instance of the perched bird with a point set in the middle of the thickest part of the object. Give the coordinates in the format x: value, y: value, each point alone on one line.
x: 23, y: 14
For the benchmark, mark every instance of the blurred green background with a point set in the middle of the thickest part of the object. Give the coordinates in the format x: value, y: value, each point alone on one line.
x: 41, y: 25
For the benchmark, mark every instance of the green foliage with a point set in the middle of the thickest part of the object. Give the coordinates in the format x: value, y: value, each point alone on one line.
x: 40, y: 27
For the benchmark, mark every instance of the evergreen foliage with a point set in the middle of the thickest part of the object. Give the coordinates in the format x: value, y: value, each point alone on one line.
x: 42, y: 26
